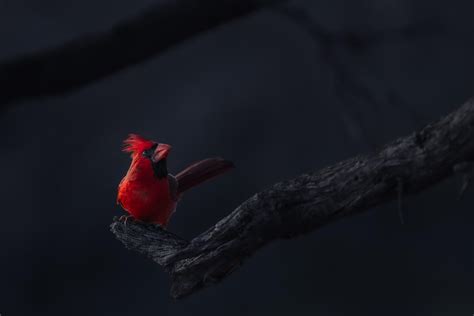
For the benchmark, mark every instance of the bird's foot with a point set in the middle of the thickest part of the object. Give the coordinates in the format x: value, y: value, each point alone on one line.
x: 125, y: 218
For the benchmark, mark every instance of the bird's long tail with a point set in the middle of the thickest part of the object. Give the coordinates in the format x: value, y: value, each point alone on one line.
x: 202, y: 171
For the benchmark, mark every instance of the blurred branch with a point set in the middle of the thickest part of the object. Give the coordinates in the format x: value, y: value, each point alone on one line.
x: 349, y: 87
x: 90, y: 58
x: 307, y: 202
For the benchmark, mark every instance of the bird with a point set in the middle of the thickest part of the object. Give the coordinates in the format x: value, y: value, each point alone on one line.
x: 148, y: 192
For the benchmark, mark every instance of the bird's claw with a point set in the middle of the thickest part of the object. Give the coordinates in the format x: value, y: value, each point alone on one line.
x: 125, y: 218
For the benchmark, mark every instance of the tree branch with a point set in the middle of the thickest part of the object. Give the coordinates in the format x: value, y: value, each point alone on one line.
x: 349, y: 87
x: 303, y: 204
x: 90, y: 58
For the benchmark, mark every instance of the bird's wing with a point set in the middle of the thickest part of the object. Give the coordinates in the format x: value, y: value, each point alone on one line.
x: 201, y: 171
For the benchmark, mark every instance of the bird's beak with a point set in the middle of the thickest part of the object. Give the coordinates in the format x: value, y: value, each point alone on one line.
x: 161, y: 152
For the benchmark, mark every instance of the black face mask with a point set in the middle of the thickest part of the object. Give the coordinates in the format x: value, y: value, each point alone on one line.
x: 160, y: 168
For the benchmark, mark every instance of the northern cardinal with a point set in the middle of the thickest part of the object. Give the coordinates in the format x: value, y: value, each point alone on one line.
x: 148, y: 192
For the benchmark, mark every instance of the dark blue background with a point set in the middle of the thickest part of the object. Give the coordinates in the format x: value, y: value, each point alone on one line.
x: 257, y: 91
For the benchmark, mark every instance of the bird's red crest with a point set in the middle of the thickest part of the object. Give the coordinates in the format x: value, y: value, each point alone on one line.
x: 136, y: 144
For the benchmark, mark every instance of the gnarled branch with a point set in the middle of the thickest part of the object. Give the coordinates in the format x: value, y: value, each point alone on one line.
x: 309, y: 201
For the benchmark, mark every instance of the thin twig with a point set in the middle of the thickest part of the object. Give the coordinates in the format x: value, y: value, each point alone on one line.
x: 400, y: 198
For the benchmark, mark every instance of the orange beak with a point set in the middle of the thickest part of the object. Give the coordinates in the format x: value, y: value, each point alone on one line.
x: 161, y: 152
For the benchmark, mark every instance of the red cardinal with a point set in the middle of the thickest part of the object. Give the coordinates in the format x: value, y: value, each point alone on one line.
x: 148, y: 192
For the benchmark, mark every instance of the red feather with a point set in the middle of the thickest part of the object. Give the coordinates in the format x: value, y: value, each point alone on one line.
x: 201, y: 171
x: 136, y: 144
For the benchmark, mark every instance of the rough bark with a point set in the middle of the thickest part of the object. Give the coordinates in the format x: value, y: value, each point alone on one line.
x: 93, y: 57
x: 309, y: 201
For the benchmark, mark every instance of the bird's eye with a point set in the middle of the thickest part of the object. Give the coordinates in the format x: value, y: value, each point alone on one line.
x: 149, y: 152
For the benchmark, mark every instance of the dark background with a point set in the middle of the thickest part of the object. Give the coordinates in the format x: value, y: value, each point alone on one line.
x: 258, y: 91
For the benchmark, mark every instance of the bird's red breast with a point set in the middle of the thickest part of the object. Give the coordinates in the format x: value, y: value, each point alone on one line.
x: 144, y: 196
